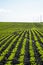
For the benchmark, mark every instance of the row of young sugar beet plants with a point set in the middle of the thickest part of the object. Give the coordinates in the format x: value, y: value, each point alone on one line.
x: 24, y: 48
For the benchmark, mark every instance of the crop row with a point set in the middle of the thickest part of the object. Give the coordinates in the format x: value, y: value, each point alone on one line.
x: 24, y: 48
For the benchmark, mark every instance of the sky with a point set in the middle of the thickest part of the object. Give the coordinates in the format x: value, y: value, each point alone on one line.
x: 21, y: 10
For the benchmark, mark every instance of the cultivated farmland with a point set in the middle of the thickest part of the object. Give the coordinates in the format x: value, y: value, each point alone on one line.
x: 21, y: 43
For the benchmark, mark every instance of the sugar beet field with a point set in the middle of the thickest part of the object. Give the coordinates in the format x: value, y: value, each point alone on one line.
x: 21, y: 43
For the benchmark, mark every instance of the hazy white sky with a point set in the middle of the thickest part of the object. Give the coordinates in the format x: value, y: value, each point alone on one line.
x: 21, y: 10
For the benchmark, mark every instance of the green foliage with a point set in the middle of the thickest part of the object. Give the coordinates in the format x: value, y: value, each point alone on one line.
x: 20, y: 32
x: 9, y: 27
